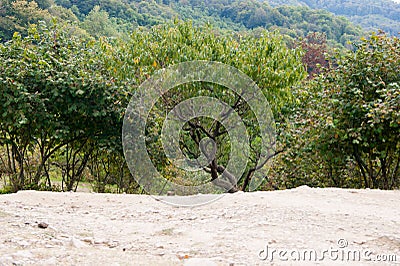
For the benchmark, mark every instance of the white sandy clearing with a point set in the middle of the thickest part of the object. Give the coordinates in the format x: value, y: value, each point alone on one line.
x: 107, y: 229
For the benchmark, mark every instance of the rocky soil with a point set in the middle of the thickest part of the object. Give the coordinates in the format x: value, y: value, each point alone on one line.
x: 44, y: 228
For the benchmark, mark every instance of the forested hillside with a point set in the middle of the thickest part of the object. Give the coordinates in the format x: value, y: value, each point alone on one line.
x: 113, y: 18
x: 370, y: 14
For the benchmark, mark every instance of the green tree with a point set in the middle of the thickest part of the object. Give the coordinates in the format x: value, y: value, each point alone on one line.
x: 16, y: 16
x: 267, y: 60
x: 45, y: 4
x: 349, y: 122
x: 55, y: 102
x: 366, y: 95
x: 98, y: 24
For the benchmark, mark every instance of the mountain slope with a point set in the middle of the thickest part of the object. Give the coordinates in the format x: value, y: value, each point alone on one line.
x: 116, y: 17
x: 228, y: 14
x: 370, y: 14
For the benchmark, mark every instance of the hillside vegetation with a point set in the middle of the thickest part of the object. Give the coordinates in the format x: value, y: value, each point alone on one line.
x: 370, y: 14
x: 116, y: 17
x: 68, y: 70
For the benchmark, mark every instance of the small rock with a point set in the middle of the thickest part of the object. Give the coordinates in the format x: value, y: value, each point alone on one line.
x: 88, y: 240
x: 77, y: 243
x: 112, y: 244
x: 24, y: 243
x: 100, y: 241
x: 43, y: 225
x: 159, y: 245
x: 191, y: 218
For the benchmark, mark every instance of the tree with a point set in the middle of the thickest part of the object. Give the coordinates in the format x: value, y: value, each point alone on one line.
x: 45, y: 4
x: 315, y: 48
x: 368, y: 118
x: 267, y: 60
x: 16, y: 16
x: 57, y: 105
x: 98, y: 24
x: 354, y: 121
x: 257, y: 19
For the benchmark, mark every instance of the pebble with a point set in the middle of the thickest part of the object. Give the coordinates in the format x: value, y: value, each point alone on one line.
x: 158, y: 245
x: 112, y: 244
x: 88, y: 240
x: 24, y: 243
x: 76, y: 243
x: 43, y: 225
x: 100, y: 241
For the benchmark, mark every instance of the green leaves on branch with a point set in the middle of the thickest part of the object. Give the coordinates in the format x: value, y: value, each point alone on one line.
x: 53, y: 96
x: 354, y: 124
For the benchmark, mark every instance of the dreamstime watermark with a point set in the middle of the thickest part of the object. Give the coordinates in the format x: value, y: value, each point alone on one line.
x: 143, y: 102
x: 340, y: 253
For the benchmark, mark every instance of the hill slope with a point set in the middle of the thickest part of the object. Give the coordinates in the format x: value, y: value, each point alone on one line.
x: 228, y: 14
x: 370, y: 14
x: 111, y: 17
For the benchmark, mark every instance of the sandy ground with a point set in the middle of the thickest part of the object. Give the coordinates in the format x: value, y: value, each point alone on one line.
x: 260, y: 228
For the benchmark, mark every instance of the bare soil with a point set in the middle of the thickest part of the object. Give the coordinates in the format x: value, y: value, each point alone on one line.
x: 46, y: 228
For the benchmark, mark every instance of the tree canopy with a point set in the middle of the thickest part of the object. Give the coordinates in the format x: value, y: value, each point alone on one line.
x: 117, y: 17
x: 346, y: 129
x: 372, y: 15
x: 69, y: 68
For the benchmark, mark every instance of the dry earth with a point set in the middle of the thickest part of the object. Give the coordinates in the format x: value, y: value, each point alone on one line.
x: 107, y: 229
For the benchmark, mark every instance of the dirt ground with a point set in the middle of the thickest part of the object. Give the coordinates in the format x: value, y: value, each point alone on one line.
x: 303, y: 226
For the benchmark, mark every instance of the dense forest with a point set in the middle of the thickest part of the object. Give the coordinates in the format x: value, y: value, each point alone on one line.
x: 114, y: 18
x: 293, y: 17
x: 70, y: 68
x: 370, y: 14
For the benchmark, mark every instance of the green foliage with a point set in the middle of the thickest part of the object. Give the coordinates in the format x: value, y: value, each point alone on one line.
x: 372, y: 15
x: 64, y: 92
x: 303, y: 20
x: 265, y: 59
x: 118, y: 18
x: 7, y: 190
x: 97, y: 23
x: 351, y: 133
x: 231, y: 15
x: 55, y: 102
x: 16, y: 16
x: 368, y: 117
x: 45, y: 4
